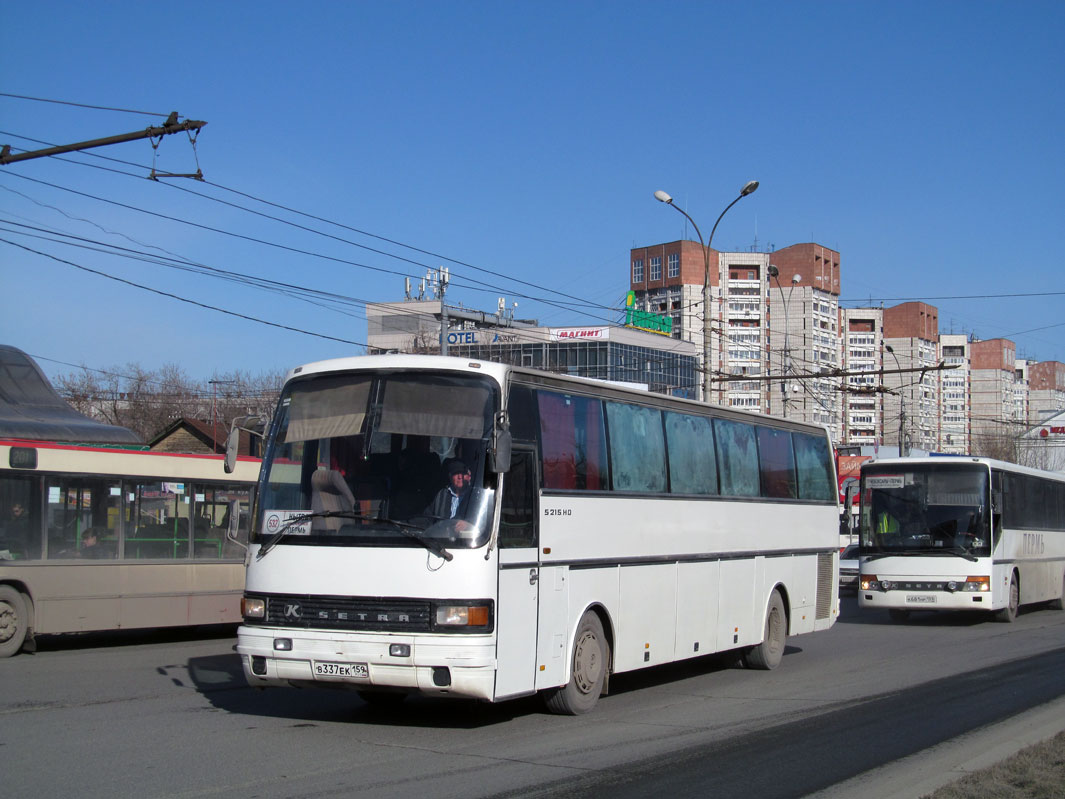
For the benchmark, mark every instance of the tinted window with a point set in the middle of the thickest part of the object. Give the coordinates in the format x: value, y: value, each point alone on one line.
x: 573, y: 442
x: 692, y: 461
x: 777, y: 463
x: 813, y: 461
x: 737, y: 457
x: 637, y: 448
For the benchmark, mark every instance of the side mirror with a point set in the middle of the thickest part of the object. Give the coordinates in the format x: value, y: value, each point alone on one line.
x: 232, y: 445
x: 500, y: 453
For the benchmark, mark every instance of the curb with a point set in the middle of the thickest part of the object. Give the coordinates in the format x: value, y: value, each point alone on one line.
x: 922, y: 773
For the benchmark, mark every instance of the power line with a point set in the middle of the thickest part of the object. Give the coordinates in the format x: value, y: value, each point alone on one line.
x: 182, y: 299
x: 81, y: 105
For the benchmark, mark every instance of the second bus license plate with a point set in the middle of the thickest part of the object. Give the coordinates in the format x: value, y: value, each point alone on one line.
x: 920, y: 599
x: 324, y: 671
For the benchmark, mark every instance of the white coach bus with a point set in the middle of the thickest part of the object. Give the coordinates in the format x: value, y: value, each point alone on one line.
x: 590, y: 529
x: 960, y: 533
x: 107, y: 538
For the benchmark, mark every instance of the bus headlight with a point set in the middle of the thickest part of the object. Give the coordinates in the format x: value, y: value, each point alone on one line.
x: 980, y: 583
x: 464, y: 618
x: 252, y: 608
x: 868, y: 582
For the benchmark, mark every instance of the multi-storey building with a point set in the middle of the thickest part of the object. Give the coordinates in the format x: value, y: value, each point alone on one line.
x: 742, y: 317
x: 911, y: 409
x: 668, y: 279
x: 862, y: 342
x: 1046, y: 390
x: 954, y: 394
x: 993, y: 374
x: 805, y: 298
x: 1020, y: 392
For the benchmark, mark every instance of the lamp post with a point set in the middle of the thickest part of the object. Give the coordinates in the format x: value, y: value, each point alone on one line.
x: 748, y: 188
x: 902, y: 403
x: 785, y: 301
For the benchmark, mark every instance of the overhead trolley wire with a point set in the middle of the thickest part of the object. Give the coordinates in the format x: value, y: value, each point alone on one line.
x: 182, y: 299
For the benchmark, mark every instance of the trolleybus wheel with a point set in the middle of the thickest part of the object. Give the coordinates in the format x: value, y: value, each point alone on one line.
x: 591, y: 659
x: 767, y: 654
x: 13, y: 621
x: 1008, y: 614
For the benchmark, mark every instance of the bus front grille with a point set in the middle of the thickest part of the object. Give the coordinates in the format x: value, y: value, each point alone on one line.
x: 372, y: 614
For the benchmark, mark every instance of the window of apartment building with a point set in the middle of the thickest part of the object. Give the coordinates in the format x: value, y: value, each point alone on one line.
x: 673, y: 265
x: 656, y: 268
x: 637, y: 270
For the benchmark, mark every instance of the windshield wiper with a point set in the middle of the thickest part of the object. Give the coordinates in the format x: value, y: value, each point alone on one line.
x: 409, y: 531
x: 402, y: 527
x: 954, y: 552
x: 295, y: 521
x: 916, y: 553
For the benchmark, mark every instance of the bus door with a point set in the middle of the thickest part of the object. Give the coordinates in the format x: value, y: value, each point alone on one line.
x: 519, y: 577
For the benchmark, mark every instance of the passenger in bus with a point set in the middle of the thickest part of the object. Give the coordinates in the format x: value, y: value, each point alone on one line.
x: 15, y: 533
x: 91, y: 546
x: 453, y: 500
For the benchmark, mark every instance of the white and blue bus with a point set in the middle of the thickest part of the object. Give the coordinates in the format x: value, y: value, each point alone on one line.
x: 960, y: 533
x: 592, y: 529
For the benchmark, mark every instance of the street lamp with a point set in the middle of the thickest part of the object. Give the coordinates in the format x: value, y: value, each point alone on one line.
x: 785, y: 301
x: 902, y: 403
x: 748, y: 188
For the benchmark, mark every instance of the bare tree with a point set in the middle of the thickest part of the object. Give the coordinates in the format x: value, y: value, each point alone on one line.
x: 147, y: 401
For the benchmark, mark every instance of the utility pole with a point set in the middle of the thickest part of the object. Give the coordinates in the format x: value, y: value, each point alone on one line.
x: 444, y: 276
x: 170, y: 126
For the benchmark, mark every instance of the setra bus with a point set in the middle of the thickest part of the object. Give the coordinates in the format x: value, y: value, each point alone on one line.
x: 444, y: 526
x: 104, y: 538
x: 960, y: 533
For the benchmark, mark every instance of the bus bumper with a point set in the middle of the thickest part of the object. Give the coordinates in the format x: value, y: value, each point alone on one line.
x: 430, y: 664
x: 923, y: 598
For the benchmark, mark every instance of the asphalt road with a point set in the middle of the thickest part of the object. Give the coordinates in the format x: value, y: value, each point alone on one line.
x: 169, y: 715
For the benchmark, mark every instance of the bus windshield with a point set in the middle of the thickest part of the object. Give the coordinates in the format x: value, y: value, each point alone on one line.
x: 380, y: 459
x: 926, y: 509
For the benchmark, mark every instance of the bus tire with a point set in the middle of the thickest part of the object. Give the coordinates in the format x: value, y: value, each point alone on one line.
x: 898, y: 614
x: 1008, y: 614
x: 767, y: 655
x: 591, y: 659
x: 1059, y: 603
x: 13, y: 621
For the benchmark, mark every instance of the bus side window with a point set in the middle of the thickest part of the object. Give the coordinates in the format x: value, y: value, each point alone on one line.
x: 517, y: 519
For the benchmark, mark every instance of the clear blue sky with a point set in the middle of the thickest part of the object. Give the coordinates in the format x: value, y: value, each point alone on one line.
x: 923, y: 140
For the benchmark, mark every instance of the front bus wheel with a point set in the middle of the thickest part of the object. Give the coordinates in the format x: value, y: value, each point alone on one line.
x: 1008, y: 614
x: 591, y: 660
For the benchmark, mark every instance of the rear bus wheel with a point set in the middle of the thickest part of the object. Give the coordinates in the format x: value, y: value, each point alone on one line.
x: 591, y: 659
x: 13, y: 621
x: 767, y: 655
